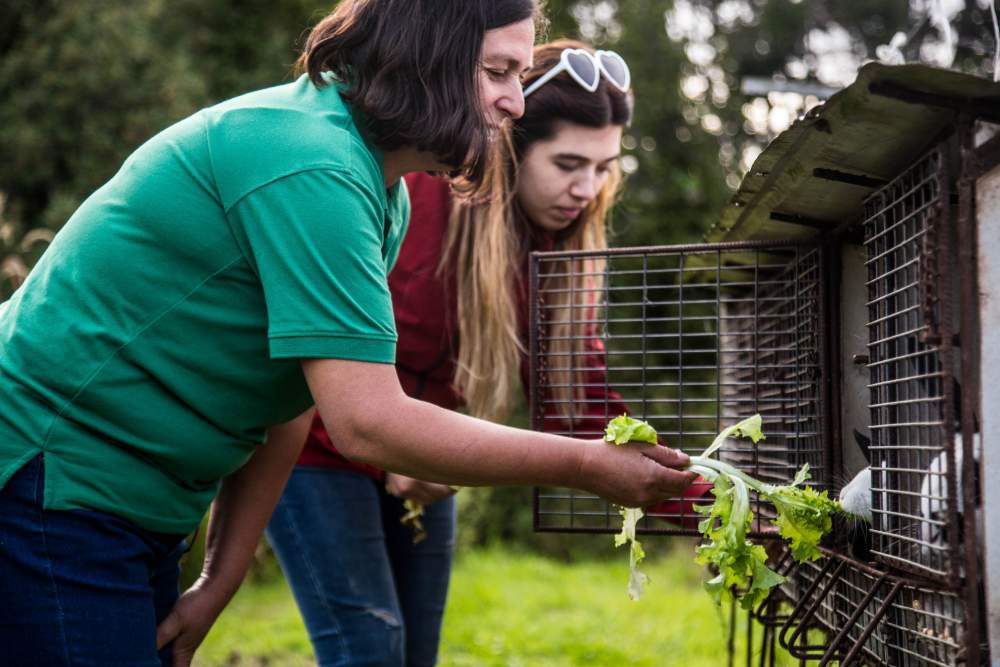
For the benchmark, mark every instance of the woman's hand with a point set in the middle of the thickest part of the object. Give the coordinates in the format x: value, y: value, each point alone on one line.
x: 239, y: 514
x: 416, y: 490
x: 189, y: 621
x: 457, y: 449
x: 634, y: 475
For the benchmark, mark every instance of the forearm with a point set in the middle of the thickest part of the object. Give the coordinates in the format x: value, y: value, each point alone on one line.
x: 427, y: 442
x: 245, y: 503
x: 372, y: 420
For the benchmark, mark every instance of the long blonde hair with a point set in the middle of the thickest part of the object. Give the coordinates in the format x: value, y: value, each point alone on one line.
x: 488, y: 241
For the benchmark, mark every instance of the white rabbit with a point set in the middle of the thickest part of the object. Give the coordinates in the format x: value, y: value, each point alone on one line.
x: 856, y: 499
x: 934, y: 497
x: 856, y: 496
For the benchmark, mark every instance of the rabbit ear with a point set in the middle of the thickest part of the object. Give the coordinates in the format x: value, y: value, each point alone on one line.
x: 864, y: 442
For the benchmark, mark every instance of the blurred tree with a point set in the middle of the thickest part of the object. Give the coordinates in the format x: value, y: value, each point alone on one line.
x: 796, y: 42
x: 694, y: 127
x: 83, y: 83
x: 675, y: 183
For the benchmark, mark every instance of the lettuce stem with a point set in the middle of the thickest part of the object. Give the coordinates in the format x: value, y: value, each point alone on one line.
x: 721, y: 467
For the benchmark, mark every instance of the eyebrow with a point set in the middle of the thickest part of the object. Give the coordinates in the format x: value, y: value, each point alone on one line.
x: 581, y: 158
x: 512, y: 62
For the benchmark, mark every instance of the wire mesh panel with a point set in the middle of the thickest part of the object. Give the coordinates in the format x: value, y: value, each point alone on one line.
x: 924, y: 627
x: 841, y: 599
x: 690, y: 338
x: 875, y: 618
x: 779, y: 320
x: 915, y: 520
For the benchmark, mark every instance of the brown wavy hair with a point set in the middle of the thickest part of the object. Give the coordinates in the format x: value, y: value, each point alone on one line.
x: 488, y: 241
x: 411, y: 67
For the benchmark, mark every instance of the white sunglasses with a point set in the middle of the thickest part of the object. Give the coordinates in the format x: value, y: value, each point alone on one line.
x: 586, y: 69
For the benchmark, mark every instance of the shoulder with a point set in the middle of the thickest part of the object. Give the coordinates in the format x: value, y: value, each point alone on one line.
x: 273, y: 133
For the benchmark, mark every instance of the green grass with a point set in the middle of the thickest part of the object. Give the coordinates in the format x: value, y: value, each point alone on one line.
x: 261, y: 626
x: 512, y: 609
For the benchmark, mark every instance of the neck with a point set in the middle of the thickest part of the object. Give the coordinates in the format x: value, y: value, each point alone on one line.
x: 402, y: 161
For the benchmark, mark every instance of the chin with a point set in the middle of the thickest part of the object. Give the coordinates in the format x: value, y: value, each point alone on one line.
x: 557, y: 225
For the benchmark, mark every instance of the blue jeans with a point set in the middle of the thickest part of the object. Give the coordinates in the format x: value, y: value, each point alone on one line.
x: 368, y: 595
x: 79, y: 587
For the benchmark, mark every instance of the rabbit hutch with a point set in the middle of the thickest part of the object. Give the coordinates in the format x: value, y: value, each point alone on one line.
x: 849, y: 294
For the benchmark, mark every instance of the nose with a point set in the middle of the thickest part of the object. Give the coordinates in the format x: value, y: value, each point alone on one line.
x: 585, y: 186
x: 512, y: 102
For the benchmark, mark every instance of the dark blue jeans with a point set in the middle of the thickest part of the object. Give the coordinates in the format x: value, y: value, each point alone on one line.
x: 368, y: 595
x: 79, y: 587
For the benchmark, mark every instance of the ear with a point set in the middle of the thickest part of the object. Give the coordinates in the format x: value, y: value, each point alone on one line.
x: 864, y: 442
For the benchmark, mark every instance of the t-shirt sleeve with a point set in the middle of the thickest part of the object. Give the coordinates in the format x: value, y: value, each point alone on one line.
x: 317, y: 242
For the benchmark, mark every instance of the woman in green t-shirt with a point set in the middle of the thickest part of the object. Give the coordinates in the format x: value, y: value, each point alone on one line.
x: 230, y: 275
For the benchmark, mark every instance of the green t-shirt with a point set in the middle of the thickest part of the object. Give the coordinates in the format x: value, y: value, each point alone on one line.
x: 160, y: 334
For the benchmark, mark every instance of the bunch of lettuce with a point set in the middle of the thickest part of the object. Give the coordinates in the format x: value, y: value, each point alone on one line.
x: 620, y: 431
x: 804, y: 515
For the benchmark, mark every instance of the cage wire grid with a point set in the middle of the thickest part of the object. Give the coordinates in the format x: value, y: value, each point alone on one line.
x: 915, y: 521
x: 906, y: 608
x: 883, y: 619
x: 690, y: 338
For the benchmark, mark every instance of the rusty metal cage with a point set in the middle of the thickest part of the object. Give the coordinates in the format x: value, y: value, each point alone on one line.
x: 917, y: 602
x: 693, y: 337
x: 914, y: 486
x: 866, y: 616
x: 689, y: 338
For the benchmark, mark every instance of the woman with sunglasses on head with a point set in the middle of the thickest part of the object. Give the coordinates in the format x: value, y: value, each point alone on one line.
x: 371, y: 590
x: 229, y: 276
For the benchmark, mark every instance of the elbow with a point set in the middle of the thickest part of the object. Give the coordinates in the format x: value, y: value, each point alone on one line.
x: 361, y: 405
x: 356, y: 437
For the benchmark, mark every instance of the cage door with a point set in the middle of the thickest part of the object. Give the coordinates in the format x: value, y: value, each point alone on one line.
x: 690, y: 338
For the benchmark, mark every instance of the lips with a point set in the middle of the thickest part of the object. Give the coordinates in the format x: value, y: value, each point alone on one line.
x: 568, y: 213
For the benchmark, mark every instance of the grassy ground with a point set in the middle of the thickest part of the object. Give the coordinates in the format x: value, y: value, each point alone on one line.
x: 509, y: 609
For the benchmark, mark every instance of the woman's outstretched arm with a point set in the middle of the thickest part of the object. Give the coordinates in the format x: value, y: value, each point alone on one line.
x: 372, y: 420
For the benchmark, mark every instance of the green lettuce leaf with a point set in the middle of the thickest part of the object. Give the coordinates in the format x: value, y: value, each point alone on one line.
x: 805, y: 515
x: 748, y: 428
x: 636, y: 579
x: 622, y: 430
x: 625, y: 429
x: 741, y: 564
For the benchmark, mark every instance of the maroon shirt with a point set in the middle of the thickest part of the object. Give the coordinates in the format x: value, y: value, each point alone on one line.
x: 425, y: 306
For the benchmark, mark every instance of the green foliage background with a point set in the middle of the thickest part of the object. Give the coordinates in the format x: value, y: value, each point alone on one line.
x: 83, y: 83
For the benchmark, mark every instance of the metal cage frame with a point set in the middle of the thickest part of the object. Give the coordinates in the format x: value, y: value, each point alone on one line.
x: 760, y: 304
x: 864, y: 615
x: 903, y: 607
